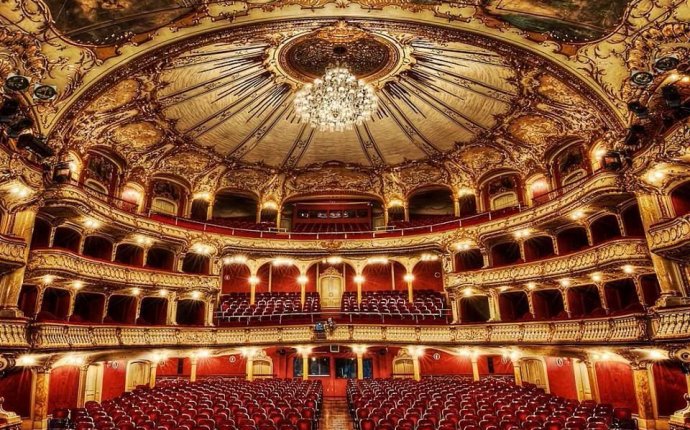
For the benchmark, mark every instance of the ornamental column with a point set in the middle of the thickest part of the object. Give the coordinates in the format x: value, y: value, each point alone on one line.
x: 456, y: 206
x: 81, y: 392
x: 360, y: 366
x: 193, y: 361
x: 416, y: 368
x: 11, y: 283
x: 517, y: 372
x: 454, y: 308
x: 39, y: 406
x: 494, y: 310
x: 593, y: 383
x: 643, y: 379
x: 305, y: 365
x: 475, y: 367
x: 170, y: 318
x: 406, y: 211
x: 652, y: 211
x: 152, y: 374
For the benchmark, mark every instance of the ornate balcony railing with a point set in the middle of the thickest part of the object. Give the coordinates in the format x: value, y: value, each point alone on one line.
x: 615, y: 253
x: 12, y: 252
x: 621, y: 329
x: 13, y: 334
x: 671, y: 239
x: 665, y: 325
x: 68, y: 264
x: 565, y: 201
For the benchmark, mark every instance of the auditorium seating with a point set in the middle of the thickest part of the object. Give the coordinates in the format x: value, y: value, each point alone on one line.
x: 331, y: 228
x: 235, y: 307
x: 427, y: 304
x: 213, y: 404
x: 243, y: 223
x: 458, y: 403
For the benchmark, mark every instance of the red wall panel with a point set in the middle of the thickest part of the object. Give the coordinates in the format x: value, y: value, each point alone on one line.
x: 284, y: 279
x: 616, y: 385
x: 561, y: 377
x: 15, y: 387
x: 377, y: 277
x: 670, y: 385
x: 114, y: 379
x: 221, y: 366
x: 428, y: 275
x: 64, y: 388
x: 447, y: 364
x: 235, y: 278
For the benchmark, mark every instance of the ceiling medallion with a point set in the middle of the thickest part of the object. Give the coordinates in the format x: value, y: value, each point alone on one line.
x: 373, y: 56
x: 336, y: 102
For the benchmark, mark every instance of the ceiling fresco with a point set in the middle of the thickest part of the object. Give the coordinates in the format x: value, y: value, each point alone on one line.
x: 204, y: 88
x: 105, y: 22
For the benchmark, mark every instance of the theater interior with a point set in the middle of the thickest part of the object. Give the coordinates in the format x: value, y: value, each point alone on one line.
x: 344, y: 214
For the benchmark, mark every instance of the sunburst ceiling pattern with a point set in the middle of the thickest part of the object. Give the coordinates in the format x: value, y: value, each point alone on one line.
x: 226, y: 97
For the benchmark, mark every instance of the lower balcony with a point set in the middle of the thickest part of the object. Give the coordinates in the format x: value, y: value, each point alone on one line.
x: 629, y: 329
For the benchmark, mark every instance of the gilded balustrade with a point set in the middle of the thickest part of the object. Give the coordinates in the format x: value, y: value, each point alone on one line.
x: 594, y: 187
x: 67, y: 264
x: 601, y: 257
x: 622, y: 329
x: 671, y: 239
x: 670, y: 325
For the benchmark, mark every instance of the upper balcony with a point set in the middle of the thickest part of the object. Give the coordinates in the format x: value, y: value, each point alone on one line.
x: 64, y: 199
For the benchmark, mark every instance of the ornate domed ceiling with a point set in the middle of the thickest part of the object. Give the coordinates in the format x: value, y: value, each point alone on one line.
x: 204, y: 89
x: 443, y: 95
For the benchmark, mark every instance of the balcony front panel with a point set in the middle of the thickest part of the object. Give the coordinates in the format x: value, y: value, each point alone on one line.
x: 612, y: 254
x: 70, y: 265
x: 671, y: 239
x: 13, y: 334
x: 12, y: 253
x: 598, y: 331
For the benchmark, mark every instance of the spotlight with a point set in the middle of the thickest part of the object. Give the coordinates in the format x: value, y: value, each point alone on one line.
x: 671, y: 96
x: 16, y: 82
x: 634, y: 133
x: 664, y: 64
x: 642, y: 78
x: 45, y: 92
x: 638, y: 109
x: 35, y: 145
x: 20, y: 126
x: 612, y: 161
x: 9, y: 108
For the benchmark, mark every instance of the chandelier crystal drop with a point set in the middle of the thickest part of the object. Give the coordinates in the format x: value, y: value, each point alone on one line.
x: 336, y: 102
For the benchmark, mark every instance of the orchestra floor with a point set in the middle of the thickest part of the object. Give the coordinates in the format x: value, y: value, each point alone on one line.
x: 334, y: 415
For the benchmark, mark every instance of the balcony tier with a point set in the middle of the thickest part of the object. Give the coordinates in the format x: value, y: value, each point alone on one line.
x: 69, y: 265
x: 611, y: 254
x: 62, y: 199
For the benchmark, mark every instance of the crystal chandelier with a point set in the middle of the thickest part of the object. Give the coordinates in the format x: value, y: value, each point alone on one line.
x: 336, y: 102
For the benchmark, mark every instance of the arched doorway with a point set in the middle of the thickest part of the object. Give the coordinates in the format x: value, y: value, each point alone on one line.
x: 331, y: 287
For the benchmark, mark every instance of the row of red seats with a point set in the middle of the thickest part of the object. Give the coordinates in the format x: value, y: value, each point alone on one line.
x: 458, y: 403
x: 331, y: 228
x: 213, y: 404
x: 235, y: 307
x: 423, y: 220
x: 243, y: 223
x: 426, y: 303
